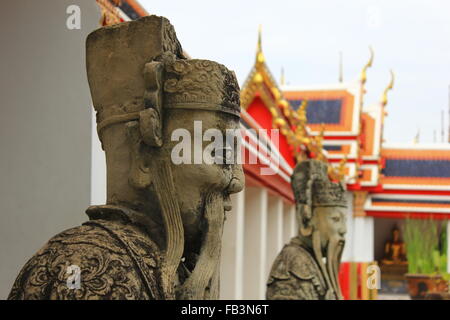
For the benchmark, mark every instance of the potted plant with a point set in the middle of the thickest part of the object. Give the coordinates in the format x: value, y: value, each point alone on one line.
x: 426, y: 250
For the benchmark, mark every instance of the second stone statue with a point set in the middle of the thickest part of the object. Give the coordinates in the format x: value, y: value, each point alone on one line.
x: 307, y: 268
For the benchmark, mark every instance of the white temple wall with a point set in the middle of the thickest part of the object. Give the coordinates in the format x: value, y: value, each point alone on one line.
x: 363, y: 239
x: 46, y: 129
x: 98, y: 167
x: 255, y: 245
x: 290, y: 222
x: 274, y: 230
x: 256, y: 230
x: 347, y: 255
x: 232, y: 264
x: 359, y: 240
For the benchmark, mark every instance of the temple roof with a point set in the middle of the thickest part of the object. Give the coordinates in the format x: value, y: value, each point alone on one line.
x: 418, y: 167
x: 337, y: 107
x: 265, y: 102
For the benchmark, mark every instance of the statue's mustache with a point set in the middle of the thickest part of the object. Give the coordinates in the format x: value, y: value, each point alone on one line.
x: 335, y: 242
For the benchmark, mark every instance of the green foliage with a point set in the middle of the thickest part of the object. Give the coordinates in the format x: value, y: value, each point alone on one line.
x: 426, y: 249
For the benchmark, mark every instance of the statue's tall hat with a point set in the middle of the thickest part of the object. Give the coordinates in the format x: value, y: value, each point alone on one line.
x: 312, y: 186
x: 137, y: 69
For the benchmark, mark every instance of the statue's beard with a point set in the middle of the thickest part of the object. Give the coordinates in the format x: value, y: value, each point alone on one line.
x: 333, y: 260
x: 332, y: 251
x: 203, y: 281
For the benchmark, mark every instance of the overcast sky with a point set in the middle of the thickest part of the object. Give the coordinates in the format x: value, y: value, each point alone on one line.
x: 304, y: 37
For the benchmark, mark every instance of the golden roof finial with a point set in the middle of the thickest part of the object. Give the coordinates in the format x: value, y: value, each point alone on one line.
x: 259, y: 53
x: 363, y: 76
x: 282, y: 77
x: 259, y: 38
x: 417, y: 137
x: 384, y: 98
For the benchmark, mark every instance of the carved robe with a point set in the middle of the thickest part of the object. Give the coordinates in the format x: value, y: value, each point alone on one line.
x: 113, y: 251
x: 295, y: 275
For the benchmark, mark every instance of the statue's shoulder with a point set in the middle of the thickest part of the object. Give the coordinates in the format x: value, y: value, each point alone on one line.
x: 294, y: 260
x: 111, y: 259
x: 295, y: 275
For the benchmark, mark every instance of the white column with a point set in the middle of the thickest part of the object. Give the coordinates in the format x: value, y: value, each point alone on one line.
x: 347, y: 255
x: 287, y: 221
x: 293, y: 222
x: 274, y: 230
x: 363, y: 245
x: 232, y: 260
x: 255, y: 243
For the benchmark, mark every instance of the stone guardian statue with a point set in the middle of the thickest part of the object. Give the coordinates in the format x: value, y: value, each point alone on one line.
x: 307, y: 268
x: 159, y: 234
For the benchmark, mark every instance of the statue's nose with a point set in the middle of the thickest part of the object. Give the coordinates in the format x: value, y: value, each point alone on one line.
x: 235, y: 186
x: 342, y: 229
x: 237, y: 182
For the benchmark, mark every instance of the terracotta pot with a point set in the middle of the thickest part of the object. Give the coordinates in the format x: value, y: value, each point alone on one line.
x: 421, y: 284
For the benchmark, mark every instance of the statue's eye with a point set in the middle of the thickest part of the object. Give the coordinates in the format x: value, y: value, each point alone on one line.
x: 223, y: 155
x: 228, y: 154
x: 336, y: 219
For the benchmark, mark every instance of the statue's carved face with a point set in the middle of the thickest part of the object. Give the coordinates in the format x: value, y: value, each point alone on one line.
x: 194, y: 182
x: 331, y: 223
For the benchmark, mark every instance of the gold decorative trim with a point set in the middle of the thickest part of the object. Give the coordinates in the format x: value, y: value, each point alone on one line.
x: 363, y: 80
x: 363, y: 77
x: 390, y: 86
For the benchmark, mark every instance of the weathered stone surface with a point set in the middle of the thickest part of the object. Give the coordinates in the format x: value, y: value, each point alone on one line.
x: 159, y: 235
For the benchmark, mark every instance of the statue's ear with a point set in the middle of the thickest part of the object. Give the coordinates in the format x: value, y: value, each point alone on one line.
x: 151, y: 118
x: 304, y: 220
x: 140, y: 174
x: 148, y: 131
